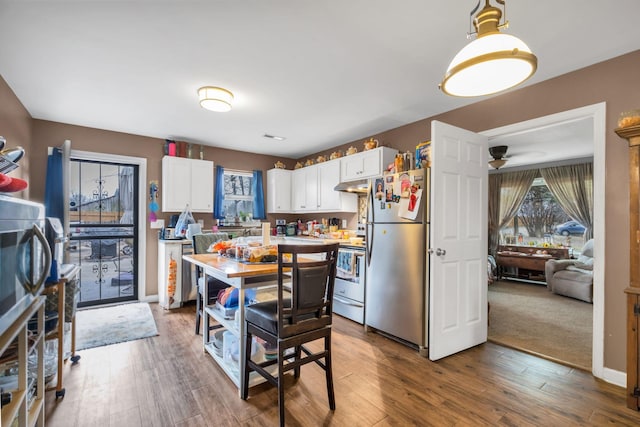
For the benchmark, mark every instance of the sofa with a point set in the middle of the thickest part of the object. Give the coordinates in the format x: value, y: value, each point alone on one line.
x: 572, y: 277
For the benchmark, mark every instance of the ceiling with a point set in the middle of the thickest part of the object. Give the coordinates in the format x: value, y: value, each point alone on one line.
x: 318, y: 73
x: 565, y: 141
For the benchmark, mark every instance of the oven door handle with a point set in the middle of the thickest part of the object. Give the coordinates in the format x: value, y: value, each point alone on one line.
x: 26, y: 283
x: 345, y: 302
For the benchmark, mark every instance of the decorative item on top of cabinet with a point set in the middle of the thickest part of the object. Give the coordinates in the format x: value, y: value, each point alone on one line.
x: 423, y: 155
x: 335, y: 155
x: 370, y: 144
x: 632, y: 134
x: 279, y: 165
x: 299, y: 165
x: 351, y: 150
x: 629, y: 118
x: 187, y: 182
x: 321, y: 159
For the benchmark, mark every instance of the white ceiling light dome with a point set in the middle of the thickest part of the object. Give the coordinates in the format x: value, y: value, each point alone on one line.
x: 215, y: 98
x: 492, y: 63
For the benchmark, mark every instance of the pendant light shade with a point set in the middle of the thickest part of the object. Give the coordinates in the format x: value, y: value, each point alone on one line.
x: 215, y: 98
x: 492, y: 63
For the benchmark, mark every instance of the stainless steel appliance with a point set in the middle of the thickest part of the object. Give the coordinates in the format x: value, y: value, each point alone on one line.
x: 397, y: 233
x: 349, y: 288
x: 281, y: 227
x: 25, y: 257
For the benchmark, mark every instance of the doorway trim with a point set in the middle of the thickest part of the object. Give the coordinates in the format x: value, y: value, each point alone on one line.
x: 597, y: 112
x: 141, y: 162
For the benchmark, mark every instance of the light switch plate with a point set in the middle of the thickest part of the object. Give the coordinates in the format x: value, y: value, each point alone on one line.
x: 344, y: 223
x: 158, y: 223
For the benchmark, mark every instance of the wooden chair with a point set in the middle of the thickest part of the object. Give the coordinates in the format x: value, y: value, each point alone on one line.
x: 201, y: 243
x: 297, y: 317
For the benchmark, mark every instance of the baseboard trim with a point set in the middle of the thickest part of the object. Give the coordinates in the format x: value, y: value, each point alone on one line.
x: 149, y: 298
x: 615, y: 377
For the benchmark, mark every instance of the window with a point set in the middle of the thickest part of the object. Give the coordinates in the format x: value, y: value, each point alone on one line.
x: 541, y: 219
x: 238, y: 196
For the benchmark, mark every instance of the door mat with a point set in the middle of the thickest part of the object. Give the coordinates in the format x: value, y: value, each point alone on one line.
x: 111, y: 325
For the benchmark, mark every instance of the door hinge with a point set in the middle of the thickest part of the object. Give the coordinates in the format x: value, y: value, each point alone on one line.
x: 636, y: 392
x: 636, y: 309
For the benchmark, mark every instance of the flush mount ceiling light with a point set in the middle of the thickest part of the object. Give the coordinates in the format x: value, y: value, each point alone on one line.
x: 215, y: 98
x: 498, y: 152
x: 493, y: 62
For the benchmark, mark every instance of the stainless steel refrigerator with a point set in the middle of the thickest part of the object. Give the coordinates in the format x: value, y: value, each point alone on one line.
x: 397, y: 235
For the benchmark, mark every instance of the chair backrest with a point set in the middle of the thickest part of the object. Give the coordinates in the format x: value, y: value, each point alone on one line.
x: 311, y: 272
x: 201, y: 242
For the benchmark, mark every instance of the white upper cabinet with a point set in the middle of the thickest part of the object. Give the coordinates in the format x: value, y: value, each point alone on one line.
x: 330, y: 200
x: 367, y: 164
x: 304, y: 184
x: 313, y: 189
x: 187, y: 181
x: 279, y: 191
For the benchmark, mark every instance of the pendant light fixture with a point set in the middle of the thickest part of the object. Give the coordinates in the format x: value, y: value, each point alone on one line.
x: 493, y: 62
x: 215, y: 98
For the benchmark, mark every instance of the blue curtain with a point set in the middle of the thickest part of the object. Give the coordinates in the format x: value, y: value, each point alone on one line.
x: 218, y: 193
x: 53, y: 191
x: 258, y: 196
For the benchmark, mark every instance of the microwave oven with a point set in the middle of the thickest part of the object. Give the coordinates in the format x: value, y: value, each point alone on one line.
x: 25, y: 257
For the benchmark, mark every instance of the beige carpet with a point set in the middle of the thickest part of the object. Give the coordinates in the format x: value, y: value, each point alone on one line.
x: 529, y: 317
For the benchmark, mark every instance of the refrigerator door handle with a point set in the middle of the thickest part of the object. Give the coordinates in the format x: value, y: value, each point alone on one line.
x: 369, y: 241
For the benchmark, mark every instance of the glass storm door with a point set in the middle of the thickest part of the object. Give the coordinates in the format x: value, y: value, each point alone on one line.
x: 103, y: 212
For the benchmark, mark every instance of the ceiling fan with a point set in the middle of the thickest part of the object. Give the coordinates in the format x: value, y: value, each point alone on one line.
x: 498, y: 152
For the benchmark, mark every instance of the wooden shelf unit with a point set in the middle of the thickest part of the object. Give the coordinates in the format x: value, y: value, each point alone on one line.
x: 59, y: 289
x: 525, y: 261
x: 29, y: 410
x: 632, y: 135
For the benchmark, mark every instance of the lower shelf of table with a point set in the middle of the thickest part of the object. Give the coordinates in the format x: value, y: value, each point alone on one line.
x: 233, y: 372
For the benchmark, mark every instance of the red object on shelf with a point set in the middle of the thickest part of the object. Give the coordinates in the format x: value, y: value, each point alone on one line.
x: 4, y: 180
x: 10, y: 185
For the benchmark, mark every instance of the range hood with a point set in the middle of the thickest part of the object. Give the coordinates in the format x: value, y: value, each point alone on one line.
x: 361, y: 186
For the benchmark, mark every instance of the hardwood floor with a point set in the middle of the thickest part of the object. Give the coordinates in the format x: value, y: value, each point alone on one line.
x: 169, y: 381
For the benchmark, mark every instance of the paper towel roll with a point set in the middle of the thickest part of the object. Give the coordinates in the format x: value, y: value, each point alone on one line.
x: 193, y: 229
x: 266, y: 231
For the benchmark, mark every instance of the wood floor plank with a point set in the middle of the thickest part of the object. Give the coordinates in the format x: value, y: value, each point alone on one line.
x: 168, y: 380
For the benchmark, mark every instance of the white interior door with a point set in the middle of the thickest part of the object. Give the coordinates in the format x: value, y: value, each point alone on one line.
x: 458, y: 254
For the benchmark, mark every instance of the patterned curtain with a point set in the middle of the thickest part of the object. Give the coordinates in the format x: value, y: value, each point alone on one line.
x: 506, y: 193
x: 572, y: 186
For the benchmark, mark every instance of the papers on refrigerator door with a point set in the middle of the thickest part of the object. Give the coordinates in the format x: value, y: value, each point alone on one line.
x: 408, y: 207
